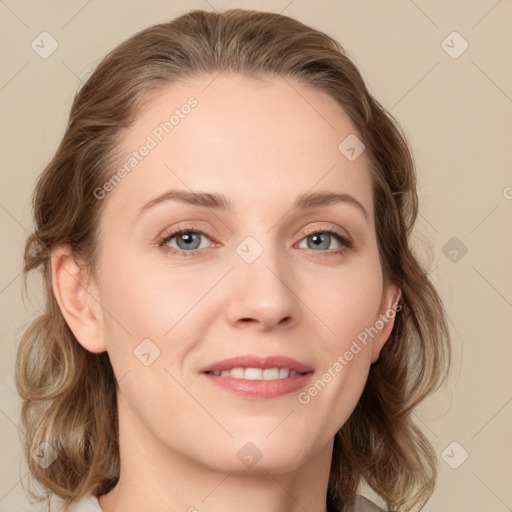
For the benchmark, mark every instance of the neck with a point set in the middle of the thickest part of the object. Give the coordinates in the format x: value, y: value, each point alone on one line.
x: 154, y: 477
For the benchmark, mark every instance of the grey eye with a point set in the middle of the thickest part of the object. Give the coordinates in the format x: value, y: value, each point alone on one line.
x: 185, y: 240
x: 319, y: 241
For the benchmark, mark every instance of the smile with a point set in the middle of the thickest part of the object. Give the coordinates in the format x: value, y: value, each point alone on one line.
x: 257, y: 373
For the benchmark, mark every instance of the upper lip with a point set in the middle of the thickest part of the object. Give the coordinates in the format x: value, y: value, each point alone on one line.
x: 254, y: 361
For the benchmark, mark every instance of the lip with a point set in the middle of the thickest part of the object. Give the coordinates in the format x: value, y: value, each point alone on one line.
x: 254, y: 361
x: 259, y: 389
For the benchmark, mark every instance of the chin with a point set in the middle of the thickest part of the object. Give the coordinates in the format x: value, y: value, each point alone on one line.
x: 277, y: 453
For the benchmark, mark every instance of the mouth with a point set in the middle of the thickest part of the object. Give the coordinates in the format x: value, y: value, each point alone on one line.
x: 259, y: 377
x: 257, y: 373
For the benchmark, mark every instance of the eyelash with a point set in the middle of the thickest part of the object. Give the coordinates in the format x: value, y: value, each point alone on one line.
x: 344, y: 241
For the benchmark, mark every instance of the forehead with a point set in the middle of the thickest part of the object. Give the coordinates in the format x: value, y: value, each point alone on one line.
x: 253, y: 139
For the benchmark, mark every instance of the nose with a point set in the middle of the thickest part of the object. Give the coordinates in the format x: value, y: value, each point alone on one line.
x: 262, y: 294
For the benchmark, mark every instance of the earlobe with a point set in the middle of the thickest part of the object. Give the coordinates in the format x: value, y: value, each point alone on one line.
x: 386, y: 318
x: 77, y: 301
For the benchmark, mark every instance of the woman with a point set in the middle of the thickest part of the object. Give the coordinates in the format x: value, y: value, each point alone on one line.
x: 234, y: 315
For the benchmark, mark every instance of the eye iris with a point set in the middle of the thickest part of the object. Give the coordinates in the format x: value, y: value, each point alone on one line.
x: 323, y: 240
x: 192, y: 240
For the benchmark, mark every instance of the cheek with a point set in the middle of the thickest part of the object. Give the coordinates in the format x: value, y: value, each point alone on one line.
x: 152, y: 300
x: 347, y: 304
x: 160, y: 304
x: 346, y: 301
x: 149, y: 301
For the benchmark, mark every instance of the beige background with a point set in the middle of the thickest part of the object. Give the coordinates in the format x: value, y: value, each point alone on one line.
x: 457, y: 113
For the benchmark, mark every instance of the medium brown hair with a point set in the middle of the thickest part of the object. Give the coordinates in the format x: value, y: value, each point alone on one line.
x: 69, y: 393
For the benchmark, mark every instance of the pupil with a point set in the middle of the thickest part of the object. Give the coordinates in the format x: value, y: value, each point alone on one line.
x: 188, y: 240
x: 321, y: 240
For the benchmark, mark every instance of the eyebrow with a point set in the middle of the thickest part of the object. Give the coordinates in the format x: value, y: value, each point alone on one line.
x: 221, y: 202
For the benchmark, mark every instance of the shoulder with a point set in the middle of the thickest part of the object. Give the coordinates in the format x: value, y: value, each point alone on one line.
x: 88, y: 503
x: 363, y: 504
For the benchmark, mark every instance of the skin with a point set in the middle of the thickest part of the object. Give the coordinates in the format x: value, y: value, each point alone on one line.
x: 261, y: 144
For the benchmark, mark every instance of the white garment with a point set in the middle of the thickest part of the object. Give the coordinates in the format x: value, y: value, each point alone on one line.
x: 90, y: 504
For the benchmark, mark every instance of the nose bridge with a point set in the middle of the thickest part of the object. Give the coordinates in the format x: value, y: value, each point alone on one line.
x: 263, y: 283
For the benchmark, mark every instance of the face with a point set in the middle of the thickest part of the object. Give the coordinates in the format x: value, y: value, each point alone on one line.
x: 242, y: 231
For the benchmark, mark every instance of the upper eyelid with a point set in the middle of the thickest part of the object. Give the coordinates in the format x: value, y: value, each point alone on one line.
x: 179, y: 230
x: 167, y: 235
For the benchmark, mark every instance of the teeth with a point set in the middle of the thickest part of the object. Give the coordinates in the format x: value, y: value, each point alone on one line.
x: 271, y: 373
x: 253, y: 374
x: 257, y: 373
x: 238, y: 373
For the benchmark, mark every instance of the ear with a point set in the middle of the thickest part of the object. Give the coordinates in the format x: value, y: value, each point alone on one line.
x: 78, y: 299
x: 385, y: 320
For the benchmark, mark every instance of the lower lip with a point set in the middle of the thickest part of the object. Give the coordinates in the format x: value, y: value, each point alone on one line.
x: 262, y: 389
